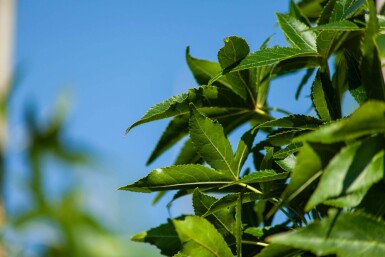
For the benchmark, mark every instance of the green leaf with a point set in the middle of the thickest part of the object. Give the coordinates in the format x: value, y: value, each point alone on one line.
x: 202, y: 97
x: 265, y: 57
x: 357, y: 167
x: 211, y: 143
x: 283, y: 136
x: 267, y: 160
x: 311, y: 159
x: 164, y: 237
x: 324, y: 99
x: 255, y: 231
x: 290, y: 149
x: 343, y: 25
x: 243, y: 149
x: 229, y: 201
x: 296, y: 12
x: 200, y: 238
x: 234, y: 51
x: 304, y: 80
x: 263, y: 176
x: 238, y: 225
x: 369, y: 118
x: 223, y: 219
x: 371, y: 70
x: 178, y: 177
x: 204, y: 70
x: 293, y: 121
x: 231, y: 54
x: 188, y: 154
x: 346, y: 235
x: 288, y: 163
x: 297, y: 34
x: 340, y: 8
x: 277, y: 250
x: 354, y: 79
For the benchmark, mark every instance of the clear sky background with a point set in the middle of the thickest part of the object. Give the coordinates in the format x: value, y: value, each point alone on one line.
x: 117, y: 58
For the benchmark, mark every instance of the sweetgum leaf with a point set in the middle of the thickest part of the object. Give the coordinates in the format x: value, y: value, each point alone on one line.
x: 345, y: 234
x: 200, y: 238
x: 211, y: 143
x: 178, y: 177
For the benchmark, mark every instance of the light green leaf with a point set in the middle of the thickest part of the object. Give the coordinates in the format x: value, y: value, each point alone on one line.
x: 297, y: 34
x: 369, y: 118
x: 288, y: 163
x: 255, y: 231
x: 164, y: 237
x: 178, y: 177
x: 200, y: 238
x: 211, y: 143
x: 357, y: 167
x: 346, y: 235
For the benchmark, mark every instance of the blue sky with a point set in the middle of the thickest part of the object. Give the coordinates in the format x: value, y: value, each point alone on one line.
x: 117, y: 59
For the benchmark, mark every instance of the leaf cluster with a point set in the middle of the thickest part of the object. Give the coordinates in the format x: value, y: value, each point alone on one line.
x: 325, y: 174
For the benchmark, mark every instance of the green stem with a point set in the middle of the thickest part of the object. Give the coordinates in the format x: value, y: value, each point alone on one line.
x: 250, y: 188
x: 254, y: 243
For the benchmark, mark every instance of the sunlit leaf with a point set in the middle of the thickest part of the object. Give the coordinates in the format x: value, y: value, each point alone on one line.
x: 345, y: 234
x: 200, y: 238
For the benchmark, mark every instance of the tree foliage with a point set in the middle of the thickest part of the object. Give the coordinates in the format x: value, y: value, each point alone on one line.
x: 324, y: 173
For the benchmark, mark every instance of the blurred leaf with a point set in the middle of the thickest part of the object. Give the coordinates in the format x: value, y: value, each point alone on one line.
x: 357, y: 167
x: 345, y: 234
x: 290, y: 149
x: 200, y: 238
x: 263, y: 176
x: 369, y: 118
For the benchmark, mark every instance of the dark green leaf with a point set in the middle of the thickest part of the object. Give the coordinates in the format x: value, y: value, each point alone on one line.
x: 211, y: 143
x: 339, y: 10
x: 223, y: 219
x: 179, y: 176
x: 343, y: 25
x: 164, y: 237
x: 230, y: 201
x: 371, y: 70
x: 346, y: 235
x: 277, y: 250
x: 204, y: 70
x: 304, y: 80
x: 324, y: 99
x: 296, y: 12
x: 293, y: 121
x: 200, y: 238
